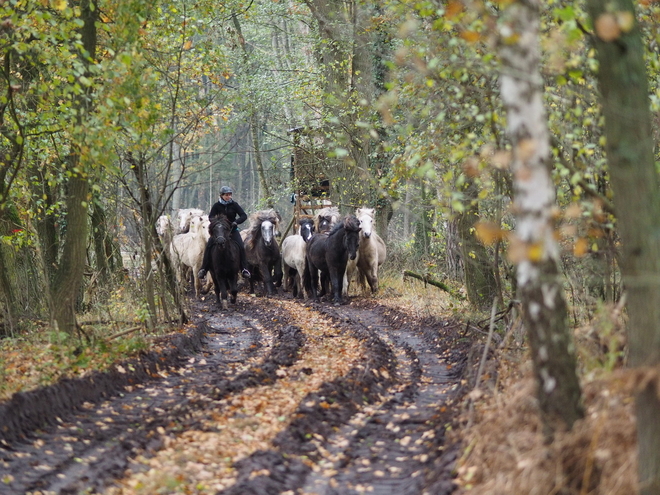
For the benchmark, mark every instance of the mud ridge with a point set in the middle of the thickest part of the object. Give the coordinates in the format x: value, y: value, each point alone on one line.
x: 333, y: 405
x: 26, y: 412
x: 290, y: 340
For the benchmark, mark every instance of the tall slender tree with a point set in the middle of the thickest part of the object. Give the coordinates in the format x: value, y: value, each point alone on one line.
x: 535, y: 248
x: 624, y: 89
x: 68, y: 277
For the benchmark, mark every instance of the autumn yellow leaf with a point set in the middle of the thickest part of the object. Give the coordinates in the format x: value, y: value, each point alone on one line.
x: 60, y: 4
x: 453, y: 9
x: 470, y: 36
x: 501, y: 160
x: 489, y: 233
x: 574, y: 210
x: 607, y: 27
x: 520, y: 251
x: 581, y: 247
x: 535, y: 252
x: 625, y: 20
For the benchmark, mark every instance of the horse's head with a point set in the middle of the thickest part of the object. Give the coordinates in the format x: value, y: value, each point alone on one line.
x: 324, y: 224
x: 366, y: 219
x: 306, y: 228
x: 185, y: 216
x: 267, y: 232
x: 195, y: 224
x: 220, y: 229
x: 163, y: 225
x: 352, y: 235
x: 206, y: 224
x: 327, y: 218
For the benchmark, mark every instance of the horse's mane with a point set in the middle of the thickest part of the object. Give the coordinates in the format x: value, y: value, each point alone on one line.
x: 327, y: 212
x: 219, y: 218
x: 350, y: 222
x: 303, y: 219
x: 256, y: 219
x: 364, y: 211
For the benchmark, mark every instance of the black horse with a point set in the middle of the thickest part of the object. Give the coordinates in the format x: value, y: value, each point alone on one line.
x: 263, y: 251
x: 225, y: 260
x: 329, y: 253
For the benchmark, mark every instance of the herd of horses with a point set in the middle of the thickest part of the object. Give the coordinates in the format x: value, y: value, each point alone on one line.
x: 325, y: 254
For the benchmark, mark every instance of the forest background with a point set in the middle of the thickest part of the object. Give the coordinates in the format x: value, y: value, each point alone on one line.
x: 116, y: 112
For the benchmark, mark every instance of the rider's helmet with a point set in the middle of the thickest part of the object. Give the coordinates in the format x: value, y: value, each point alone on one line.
x: 226, y: 190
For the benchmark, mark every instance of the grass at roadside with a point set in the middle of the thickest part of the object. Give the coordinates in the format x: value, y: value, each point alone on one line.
x: 40, y: 356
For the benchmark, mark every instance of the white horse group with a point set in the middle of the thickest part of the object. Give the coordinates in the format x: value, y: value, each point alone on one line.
x: 371, y: 252
x: 185, y: 239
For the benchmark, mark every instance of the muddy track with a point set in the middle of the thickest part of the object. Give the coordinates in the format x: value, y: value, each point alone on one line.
x: 382, y: 433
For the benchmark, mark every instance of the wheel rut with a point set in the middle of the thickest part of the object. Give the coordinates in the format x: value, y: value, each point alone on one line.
x: 377, y: 427
x: 94, y: 445
x: 389, y: 448
x: 385, y: 433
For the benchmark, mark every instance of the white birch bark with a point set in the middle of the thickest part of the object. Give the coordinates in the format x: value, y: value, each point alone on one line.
x: 533, y: 247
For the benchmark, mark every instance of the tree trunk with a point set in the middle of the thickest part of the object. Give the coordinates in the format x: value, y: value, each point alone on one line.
x: 624, y: 89
x: 256, y: 148
x: 534, y: 248
x: 478, y: 268
x: 7, y: 302
x: 254, y: 126
x: 99, y: 234
x: 344, y: 27
x: 68, y: 277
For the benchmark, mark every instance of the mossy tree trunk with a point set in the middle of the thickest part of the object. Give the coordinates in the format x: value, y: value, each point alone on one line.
x: 480, y: 279
x: 68, y: 276
x: 624, y: 89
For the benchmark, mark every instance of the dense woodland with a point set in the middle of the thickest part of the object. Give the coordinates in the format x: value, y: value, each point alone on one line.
x: 509, y: 148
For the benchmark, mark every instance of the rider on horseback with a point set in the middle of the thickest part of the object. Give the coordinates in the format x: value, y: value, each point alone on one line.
x: 235, y: 214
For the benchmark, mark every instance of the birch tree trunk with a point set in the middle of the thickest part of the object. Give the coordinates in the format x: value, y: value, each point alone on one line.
x: 534, y: 248
x: 254, y: 126
x: 624, y: 89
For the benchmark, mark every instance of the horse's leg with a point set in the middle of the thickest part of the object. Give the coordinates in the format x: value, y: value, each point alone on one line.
x: 216, y: 286
x: 267, y: 277
x: 372, y: 277
x: 337, y: 280
x: 315, y: 280
x: 324, y: 284
x: 233, y: 287
x: 225, y: 283
x: 278, y: 273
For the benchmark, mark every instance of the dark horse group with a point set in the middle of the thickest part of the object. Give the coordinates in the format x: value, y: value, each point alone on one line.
x: 327, y: 255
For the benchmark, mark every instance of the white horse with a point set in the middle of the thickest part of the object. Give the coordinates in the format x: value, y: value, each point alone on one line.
x: 187, y: 250
x: 184, y: 216
x: 371, y: 253
x: 293, y: 255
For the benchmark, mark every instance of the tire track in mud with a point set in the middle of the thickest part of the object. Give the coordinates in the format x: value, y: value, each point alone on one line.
x: 90, y: 449
x: 392, y: 449
x: 377, y: 428
x: 385, y: 431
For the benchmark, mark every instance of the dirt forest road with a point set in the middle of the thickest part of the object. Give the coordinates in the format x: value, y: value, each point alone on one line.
x: 274, y: 396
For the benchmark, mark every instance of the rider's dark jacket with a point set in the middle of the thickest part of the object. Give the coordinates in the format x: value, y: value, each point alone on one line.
x: 232, y: 211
